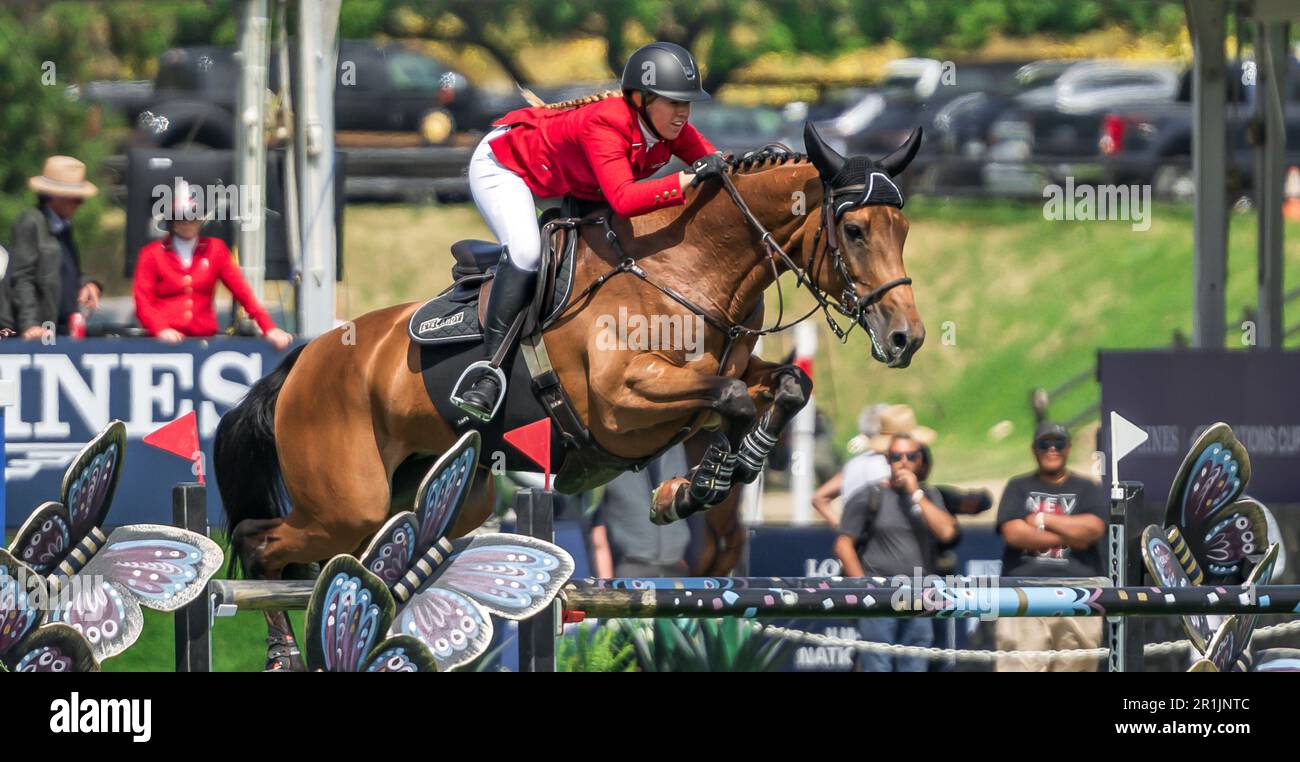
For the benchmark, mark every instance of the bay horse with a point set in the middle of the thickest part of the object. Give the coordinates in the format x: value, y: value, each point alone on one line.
x: 319, y: 452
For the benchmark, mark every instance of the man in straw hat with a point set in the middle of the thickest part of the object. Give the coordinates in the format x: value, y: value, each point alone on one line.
x: 877, y: 425
x: 891, y: 529
x: 45, y: 279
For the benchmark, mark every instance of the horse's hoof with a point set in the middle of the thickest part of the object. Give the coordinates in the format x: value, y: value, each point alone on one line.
x: 667, y: 499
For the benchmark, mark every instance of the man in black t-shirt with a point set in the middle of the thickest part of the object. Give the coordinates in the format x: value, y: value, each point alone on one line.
x: 1052, y: 522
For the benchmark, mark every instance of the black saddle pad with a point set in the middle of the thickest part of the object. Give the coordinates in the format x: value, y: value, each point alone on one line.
x: 441, y: 366
x: 452, y: 316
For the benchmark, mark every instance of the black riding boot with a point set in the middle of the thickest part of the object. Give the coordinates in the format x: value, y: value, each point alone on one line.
x: 510, y: 294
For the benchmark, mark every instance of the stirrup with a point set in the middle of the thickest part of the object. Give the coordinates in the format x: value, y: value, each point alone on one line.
x: 459, y: 401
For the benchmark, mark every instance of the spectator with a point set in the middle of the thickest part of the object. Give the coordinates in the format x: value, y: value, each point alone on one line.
x: 877, y: 425
x: 46, y: 284
x: 624, y: 542
x: 1052, y: 521
x: 6, y: 299
x: 176, y: 278
x: 890, y: 530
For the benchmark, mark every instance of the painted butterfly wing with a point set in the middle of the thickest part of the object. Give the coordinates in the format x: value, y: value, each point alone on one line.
x: 455, y: 629
x: 45, y: 537
x: 349, y: 612
x: 1165, y: 569
x: 1214, y: 473
x: 90, y: 480
x: 1278, y: 660
x: 53, y: 648
x: 443, y: 491
x: 1226, y: 646
x: 1233, y: 535
x: 1262, y: 574
x: 22, y: 592
x: 392, y: 550
x: 511, y: 576
x: 109, y: 619
x: 401, y: 653
x: 163, y: 567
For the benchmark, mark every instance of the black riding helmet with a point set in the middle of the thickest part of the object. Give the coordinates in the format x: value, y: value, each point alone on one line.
x: 666, y: 70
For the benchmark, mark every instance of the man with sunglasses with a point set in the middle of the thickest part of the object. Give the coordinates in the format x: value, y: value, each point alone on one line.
x: 1052, y: 521
x: 893, y: 528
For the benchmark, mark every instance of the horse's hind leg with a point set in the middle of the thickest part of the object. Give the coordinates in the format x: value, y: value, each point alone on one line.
x: 340, y: 497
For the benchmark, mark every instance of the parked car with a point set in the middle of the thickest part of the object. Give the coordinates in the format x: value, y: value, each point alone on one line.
x: 1151, y: 144
x: 381, y: 87
x: 913, y: 93
x: 1049, y: 133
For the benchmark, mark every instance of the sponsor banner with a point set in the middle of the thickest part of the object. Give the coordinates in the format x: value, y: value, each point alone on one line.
x: 68, y: 392
x: 1175, y: 395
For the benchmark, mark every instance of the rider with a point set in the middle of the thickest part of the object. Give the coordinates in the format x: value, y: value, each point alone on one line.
x: 599, y: 148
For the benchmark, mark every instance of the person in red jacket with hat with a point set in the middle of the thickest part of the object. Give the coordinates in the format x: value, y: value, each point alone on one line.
x: 176, y: 278
x: 599, y: 148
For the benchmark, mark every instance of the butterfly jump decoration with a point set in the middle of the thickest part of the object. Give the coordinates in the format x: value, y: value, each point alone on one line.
x: 349, y: 616
x: 1211, y: 535
x: 95, y: 583
x: 444, y: 591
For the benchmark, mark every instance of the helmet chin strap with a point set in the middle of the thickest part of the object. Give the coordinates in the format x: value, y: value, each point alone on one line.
x: 645, y: 116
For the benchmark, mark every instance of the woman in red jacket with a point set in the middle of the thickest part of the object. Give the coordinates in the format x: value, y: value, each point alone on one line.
x: 175, y: 280
x: 599, y: 148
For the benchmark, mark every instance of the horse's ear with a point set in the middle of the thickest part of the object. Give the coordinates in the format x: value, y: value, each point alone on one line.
x: 897, y: 161
x: 824, y: 158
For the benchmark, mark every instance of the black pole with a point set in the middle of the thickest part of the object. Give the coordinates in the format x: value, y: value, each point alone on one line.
x: 1125, y: 636
x: 535, y: 514
x: 194, y: 620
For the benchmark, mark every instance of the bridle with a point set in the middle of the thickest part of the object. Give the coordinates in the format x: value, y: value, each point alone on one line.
x: 849, y: 304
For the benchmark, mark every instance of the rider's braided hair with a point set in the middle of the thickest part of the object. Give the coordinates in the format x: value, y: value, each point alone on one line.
x: 531, y: 98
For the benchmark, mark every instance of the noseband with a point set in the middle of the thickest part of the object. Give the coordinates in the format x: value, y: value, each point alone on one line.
x: 878, y: 190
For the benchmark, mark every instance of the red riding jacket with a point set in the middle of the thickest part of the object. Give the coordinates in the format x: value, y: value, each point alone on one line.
x: 170, y: 295
x: 595, y: 152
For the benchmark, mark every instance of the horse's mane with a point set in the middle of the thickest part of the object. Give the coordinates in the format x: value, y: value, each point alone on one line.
x: 757, y: 161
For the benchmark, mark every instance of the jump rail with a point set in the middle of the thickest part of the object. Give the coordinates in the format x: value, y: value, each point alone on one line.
x: 839, y: 598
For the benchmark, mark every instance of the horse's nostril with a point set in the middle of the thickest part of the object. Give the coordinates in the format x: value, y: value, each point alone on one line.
x: 898, y: 339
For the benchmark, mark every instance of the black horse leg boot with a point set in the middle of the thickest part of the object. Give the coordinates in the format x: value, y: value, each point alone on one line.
x: 483, y: 385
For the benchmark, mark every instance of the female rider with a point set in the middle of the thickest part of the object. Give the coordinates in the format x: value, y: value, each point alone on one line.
x: 599, y: 148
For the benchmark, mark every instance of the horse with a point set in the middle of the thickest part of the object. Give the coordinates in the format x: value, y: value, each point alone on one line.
x: 322, y: 449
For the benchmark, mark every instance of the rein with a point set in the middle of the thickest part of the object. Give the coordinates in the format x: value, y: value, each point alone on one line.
x: 848, y: 305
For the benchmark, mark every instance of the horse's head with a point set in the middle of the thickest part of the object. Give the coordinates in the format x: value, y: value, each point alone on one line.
x: 862, y: 260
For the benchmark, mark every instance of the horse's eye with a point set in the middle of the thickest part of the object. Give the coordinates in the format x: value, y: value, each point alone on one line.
x: 852, y: 230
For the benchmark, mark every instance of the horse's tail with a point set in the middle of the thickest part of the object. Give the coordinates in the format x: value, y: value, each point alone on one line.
x: 246, y: 465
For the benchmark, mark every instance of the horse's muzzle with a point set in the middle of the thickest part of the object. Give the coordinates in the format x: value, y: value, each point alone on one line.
x: 893, y: 342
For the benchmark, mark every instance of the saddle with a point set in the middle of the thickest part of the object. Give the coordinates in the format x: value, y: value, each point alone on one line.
x: 448, y: 328
x: 457, y: 313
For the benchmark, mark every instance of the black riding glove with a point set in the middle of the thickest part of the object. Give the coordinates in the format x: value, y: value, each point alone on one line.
x: 709, y: 167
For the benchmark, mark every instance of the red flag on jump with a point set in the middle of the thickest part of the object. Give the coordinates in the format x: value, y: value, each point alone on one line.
x: 180, y: 437
x: 534, y: 441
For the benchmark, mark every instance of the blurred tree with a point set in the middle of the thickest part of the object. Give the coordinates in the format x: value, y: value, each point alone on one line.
x: 38, y: 118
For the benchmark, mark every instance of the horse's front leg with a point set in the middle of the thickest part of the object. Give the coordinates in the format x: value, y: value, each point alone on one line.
x: 779, y: 392
x: 655, y: 386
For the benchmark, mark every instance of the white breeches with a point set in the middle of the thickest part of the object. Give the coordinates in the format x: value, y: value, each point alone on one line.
x: 506, y: 203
